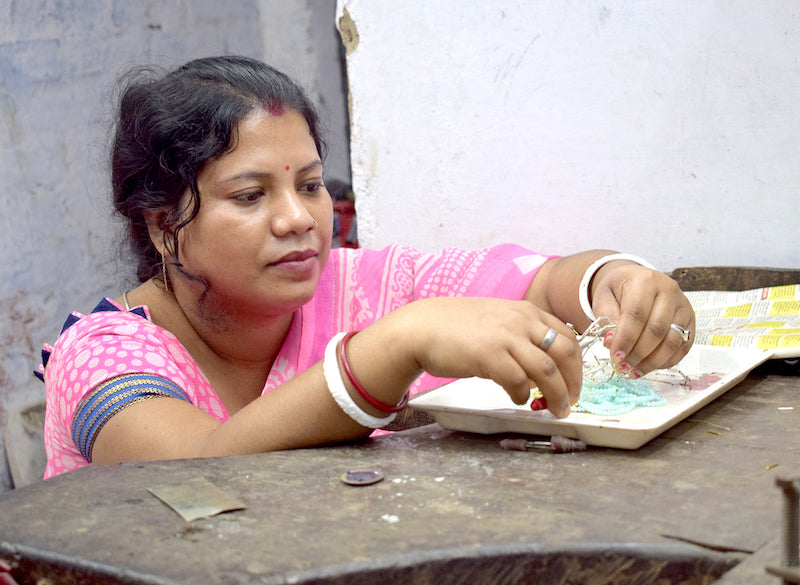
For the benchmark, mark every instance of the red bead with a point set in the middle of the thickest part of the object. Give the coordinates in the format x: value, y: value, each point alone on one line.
x: 538, y: 404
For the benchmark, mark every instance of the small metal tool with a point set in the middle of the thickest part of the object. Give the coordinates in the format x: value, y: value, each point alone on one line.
x: 556, y: 444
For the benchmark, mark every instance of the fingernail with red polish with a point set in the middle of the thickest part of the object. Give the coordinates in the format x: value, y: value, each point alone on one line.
x: 636, y: 374
x: 608, y: 336
x: 623, y: 367
x: 619, y: 356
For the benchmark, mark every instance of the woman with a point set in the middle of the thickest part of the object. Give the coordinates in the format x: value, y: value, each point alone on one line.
x: 230, y: 344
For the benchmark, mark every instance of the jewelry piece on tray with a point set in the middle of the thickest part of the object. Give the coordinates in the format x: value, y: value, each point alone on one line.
x: 607, y: 390
x: 595, y: 368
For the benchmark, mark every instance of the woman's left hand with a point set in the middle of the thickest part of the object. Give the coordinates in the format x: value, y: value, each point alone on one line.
x: 644, y: 304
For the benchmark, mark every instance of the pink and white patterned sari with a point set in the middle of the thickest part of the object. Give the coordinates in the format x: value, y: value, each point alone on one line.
x: 358, y: 286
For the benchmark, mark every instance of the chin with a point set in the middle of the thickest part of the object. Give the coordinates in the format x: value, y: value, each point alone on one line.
x: 292, y: 300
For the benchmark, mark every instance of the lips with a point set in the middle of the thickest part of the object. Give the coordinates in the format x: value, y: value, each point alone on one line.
x: 292, y: 257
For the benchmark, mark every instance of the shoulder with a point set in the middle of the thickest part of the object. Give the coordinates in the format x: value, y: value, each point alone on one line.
x: 111, y: 334
x: 109, y: 320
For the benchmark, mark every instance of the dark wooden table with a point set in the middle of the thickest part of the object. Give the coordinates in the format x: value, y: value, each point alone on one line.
x: 698, y: 504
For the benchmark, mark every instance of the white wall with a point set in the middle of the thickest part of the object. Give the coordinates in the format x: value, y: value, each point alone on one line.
x: 667, y: 128
x: 300, y: 39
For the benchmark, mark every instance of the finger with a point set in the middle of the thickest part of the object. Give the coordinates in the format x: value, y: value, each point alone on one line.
x: 520, y: 373
x: 509, y: 374
x: 677, y: 357
x: 665, y: 360
x: 553, y: 387
x: 556, y: 371
x: 606, y: 305
x: 661, y: 345
x: 631, y: 326
x: 566, y: 353
x: 654, y: 339
x: 668, y: 353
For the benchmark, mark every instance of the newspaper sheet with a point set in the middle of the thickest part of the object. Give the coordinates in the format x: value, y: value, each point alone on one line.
x: 763, y: 318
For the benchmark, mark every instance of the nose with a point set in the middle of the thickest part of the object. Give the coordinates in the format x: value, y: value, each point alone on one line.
x: 289, y: 214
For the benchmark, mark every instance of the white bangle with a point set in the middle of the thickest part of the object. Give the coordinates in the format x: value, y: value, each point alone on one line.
x: 583, y: 289
x: 333, y: 377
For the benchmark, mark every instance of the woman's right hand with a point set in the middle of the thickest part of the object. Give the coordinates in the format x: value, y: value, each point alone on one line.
x: 489, y: 338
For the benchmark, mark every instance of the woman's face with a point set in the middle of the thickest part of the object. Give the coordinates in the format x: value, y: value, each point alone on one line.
x: 263, y: 232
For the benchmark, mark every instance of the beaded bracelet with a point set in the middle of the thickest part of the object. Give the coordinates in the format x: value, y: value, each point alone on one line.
x: 333, y: 377
x: 368, y: 398
x: 583, y: 289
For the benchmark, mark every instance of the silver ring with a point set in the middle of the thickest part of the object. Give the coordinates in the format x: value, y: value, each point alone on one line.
x: 684, y: 333
x: 548, y: 340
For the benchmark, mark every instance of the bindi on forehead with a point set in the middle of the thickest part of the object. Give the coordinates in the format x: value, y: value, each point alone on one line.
x: 275, y: 108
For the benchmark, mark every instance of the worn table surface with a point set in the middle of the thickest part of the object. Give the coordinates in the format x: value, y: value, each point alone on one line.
x: 705, y: 490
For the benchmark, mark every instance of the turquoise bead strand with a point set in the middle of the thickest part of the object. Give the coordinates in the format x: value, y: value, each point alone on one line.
x: 616, y: 396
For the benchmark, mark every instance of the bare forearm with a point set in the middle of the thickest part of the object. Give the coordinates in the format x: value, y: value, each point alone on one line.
x: 299, y: 413
x: 302, y: 411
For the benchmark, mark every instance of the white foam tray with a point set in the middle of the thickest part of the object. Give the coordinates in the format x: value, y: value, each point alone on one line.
x: 481, y: 406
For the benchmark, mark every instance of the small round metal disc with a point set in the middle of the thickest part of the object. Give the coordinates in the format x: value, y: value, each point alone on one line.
x: 362, y: 476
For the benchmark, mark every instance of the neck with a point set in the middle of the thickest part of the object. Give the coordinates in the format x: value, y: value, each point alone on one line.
x: 234, y: 351
x: 213, y: 333
x: 239, y: 338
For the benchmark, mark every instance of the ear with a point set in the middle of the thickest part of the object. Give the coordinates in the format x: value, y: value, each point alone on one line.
x: 158, y: 235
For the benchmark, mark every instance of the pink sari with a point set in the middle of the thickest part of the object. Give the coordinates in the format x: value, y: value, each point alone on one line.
x: 358, y: 286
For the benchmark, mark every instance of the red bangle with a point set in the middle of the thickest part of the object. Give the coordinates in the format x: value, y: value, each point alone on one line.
x: 371, y: 400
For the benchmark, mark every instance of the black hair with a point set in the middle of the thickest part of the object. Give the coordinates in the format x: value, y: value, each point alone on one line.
x: 170, y: 124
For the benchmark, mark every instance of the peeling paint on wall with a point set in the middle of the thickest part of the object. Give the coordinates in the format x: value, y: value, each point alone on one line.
x: 348, y: 31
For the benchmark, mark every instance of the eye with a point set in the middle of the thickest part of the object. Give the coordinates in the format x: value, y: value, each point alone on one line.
x: 313, y: 187
x: 248, y: 197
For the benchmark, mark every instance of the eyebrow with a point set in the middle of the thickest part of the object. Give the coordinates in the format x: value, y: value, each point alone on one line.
x: 264, y: 175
